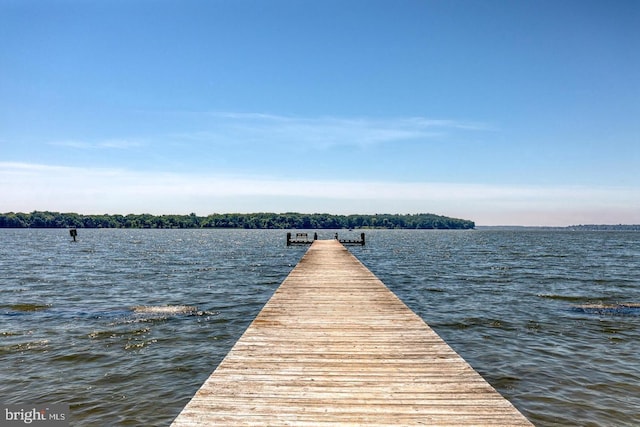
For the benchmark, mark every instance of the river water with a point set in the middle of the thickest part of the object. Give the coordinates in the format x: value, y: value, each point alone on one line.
x: 125, y: 325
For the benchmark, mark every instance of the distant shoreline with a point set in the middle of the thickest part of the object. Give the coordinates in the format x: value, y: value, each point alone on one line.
x: 260, y: 220
x: 582, y: 227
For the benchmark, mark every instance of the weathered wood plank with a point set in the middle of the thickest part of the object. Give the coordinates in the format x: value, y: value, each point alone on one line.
x: 334, y: 346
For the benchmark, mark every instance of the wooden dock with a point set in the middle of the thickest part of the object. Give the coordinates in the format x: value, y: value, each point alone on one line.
x: 303, y: 239
x: 334, y: 346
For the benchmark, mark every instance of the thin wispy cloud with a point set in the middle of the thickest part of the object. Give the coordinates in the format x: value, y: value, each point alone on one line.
x: 318, y: 132
x: 116, y: 190
x: 236, y: 141
x: 107, y: 144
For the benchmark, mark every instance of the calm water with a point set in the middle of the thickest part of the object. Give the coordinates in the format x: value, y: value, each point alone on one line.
x: 125, y: 325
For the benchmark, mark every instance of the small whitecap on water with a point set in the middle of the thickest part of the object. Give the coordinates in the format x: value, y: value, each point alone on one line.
x: 165, y: 309
x: 623, y: 309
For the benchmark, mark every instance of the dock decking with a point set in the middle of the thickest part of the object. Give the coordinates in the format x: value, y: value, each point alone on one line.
x: 303, y: 239
x: 334, y: 346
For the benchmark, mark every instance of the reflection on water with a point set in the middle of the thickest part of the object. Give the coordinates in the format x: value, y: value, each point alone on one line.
x: 125, y: 325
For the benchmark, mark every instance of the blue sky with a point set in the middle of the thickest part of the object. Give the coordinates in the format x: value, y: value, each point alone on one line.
x: 502, y: 112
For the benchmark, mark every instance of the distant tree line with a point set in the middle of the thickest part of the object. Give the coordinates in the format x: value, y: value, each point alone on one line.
x: 605, y: 227
x: 45, y: 219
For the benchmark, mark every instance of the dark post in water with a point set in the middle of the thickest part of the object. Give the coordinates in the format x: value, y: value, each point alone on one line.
x: 73, y: 233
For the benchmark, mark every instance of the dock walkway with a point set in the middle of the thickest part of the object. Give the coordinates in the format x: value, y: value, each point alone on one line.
x: 334, y: 346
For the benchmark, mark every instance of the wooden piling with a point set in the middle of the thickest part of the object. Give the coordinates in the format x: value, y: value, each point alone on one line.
x: 335, y: 347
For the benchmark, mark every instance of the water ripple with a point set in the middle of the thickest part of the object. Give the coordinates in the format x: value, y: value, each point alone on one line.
x: 125, y: 325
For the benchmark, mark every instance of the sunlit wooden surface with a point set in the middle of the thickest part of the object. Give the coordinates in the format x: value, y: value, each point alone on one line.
x: 334, y: 346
